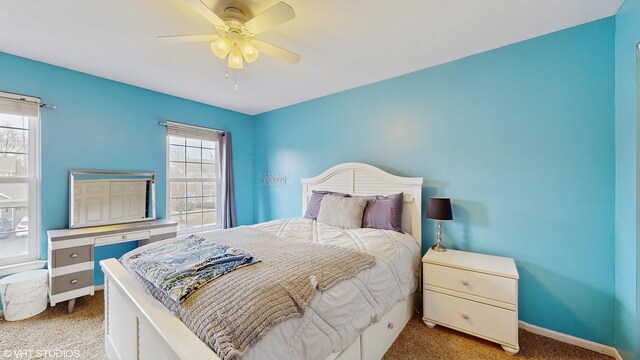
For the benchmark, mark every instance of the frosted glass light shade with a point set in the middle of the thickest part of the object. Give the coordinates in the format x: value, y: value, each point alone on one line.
x: 235, y: 58
x: 221, y: 47
x: 249, y: 52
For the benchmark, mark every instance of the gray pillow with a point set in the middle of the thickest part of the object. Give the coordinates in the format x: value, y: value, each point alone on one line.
x: 314, y: 203
x: 340, y: 211
x: 383, y: 212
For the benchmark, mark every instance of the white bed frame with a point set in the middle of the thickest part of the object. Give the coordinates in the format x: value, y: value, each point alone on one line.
x: 137, y: 326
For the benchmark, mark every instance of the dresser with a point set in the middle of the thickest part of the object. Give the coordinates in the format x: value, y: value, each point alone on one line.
x: 71, y: 254
x: 473, y: 293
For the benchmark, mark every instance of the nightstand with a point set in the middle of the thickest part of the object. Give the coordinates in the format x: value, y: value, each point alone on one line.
x: 473, y: 293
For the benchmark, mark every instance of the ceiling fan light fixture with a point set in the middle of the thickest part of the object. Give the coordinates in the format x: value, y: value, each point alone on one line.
x: 235, y: 58
x: 235, y: 40
x: 249, y: 52
x: 221, y: 47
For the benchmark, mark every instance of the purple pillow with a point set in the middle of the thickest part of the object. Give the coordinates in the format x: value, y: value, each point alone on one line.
x: 383, y: 212
x: 313, y: 207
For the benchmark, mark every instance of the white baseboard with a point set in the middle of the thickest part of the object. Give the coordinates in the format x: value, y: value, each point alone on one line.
x: 568, y: 339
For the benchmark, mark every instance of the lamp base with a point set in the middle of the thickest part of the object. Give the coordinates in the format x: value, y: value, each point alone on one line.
x: 438, y: 247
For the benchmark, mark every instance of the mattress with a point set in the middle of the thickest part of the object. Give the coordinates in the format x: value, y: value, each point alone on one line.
x: 336, y: 316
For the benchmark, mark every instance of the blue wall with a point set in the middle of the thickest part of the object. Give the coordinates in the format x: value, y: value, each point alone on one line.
x: 521, y: 138
x: 627, y: 249
x: 103, y: 124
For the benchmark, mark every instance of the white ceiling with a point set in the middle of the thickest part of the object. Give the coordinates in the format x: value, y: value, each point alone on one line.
x: 343, y: 44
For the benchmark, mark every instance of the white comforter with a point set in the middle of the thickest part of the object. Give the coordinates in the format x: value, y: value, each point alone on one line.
x: 337, y: 316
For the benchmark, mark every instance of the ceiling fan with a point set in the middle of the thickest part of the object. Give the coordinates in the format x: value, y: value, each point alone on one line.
x: 235, y: 38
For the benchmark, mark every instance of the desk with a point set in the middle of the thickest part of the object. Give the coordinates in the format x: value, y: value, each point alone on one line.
x: 71, y: 254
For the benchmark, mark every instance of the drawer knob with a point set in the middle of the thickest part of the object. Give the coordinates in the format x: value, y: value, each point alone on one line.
x: 390, y: 326
x: 465, y: 316
x: 124, y: 237
x: 74, y: 281
x: 74, y: 255
x: 465, y: 282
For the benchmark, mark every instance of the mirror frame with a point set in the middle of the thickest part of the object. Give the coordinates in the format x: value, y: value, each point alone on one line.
x: 74, y: 173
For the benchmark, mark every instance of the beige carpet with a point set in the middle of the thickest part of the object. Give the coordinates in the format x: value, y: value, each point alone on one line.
x: 82, y: 331
x: 417, y: 341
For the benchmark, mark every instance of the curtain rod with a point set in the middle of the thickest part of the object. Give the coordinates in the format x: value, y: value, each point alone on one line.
x: 167, y: 123
x: 41, y: 104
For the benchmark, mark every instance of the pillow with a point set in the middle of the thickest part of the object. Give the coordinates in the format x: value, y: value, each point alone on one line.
x: 314, y: 204
x: 340, y: 211
x: 383, y: 212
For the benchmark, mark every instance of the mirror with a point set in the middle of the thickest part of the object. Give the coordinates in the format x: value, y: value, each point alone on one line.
x: 110, y: 197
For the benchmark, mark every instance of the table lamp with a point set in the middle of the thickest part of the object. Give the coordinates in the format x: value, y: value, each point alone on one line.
x: 439, y: 210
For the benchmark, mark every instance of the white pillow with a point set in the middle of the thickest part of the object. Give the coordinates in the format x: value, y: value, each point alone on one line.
x: 340, y: 211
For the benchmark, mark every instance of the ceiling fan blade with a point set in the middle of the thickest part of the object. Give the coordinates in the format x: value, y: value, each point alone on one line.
x: 278, y: 14
x: 190, y: 38
x: 207, y: 13
x: 276, y: 52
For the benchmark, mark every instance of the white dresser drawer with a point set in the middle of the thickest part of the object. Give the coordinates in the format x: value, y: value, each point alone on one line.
x: 490, y: 322
x: 72, y: 255
x: 474, y: 283
x: 121, y: 237
x: 73, y: 281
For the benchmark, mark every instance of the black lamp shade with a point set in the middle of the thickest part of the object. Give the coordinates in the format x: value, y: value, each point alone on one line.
x: 439, y: 209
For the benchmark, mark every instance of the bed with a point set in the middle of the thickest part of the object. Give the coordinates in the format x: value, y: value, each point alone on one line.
x: 138, y: 326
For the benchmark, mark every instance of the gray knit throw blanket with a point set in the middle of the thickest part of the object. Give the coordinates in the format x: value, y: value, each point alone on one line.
x: 233, y: 312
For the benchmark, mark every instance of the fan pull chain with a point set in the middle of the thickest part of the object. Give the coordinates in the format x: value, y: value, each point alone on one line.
x: 235, y: 80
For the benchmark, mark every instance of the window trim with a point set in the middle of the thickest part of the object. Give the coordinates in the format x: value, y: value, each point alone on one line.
x: 21, y: 267
x: 167, y: 183
x: 34, y: 184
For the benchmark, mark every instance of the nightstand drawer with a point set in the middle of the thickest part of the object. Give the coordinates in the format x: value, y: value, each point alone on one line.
x: 469, y: 282
x: 486, y: 321
x: 72, y: 255
x: 73, y: 281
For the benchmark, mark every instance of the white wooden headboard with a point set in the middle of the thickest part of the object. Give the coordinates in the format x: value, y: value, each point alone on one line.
x: 364, y: 180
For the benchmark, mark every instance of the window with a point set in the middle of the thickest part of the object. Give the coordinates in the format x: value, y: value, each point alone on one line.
x: 19, y: 168
x: 193, y: 185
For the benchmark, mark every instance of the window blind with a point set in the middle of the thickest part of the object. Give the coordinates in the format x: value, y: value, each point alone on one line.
x: 191, y: 131
x: 19, y: 107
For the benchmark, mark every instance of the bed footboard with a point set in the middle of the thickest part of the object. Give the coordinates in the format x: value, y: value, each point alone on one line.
x: 137, y: 326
